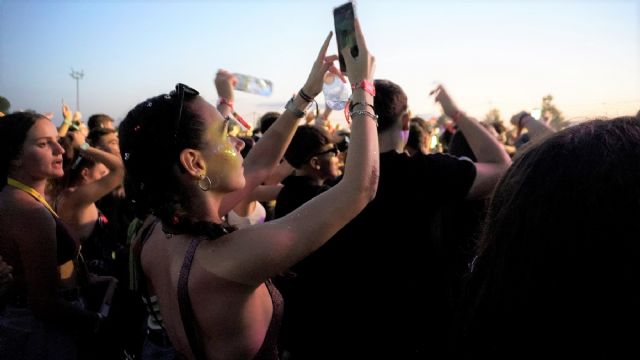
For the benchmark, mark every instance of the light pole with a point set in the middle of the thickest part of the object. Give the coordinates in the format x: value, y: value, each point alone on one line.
x: 77, y: 75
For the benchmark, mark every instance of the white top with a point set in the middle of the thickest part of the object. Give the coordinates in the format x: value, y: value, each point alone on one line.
x: 256, y: 217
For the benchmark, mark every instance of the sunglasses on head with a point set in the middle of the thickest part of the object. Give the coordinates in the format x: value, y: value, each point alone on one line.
x: 182, y: 91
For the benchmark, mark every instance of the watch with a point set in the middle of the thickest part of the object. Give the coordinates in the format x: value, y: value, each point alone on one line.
x: 291, y: 106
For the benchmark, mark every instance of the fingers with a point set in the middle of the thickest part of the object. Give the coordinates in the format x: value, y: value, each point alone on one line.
x: 335, y: 71
x: 325, y: 46
x: 362, y: 45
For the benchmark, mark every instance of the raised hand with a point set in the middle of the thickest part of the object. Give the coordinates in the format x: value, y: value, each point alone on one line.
x: 321, y: 65
x: 448, y: 106
x: 225, y: 82
x: 66, y: 112
x: 361, y: 67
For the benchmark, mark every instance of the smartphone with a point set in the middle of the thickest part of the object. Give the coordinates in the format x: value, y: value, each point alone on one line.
x: 343, y: 18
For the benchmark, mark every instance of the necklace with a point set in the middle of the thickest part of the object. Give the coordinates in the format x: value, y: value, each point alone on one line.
x: 33, y: 192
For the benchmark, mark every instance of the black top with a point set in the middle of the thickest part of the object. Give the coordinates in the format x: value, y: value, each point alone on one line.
x: 373, y: 289
x: 296, y: 191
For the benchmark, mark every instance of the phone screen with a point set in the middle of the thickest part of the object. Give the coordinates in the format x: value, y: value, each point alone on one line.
x: 343, y: 17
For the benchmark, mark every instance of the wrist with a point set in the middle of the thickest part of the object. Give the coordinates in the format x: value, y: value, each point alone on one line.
x: 457, y: 115
x: 306, y: 95
x: 225, y: 101
x: 83, y: 146
x: 365, y: 85
x: 67, y: 121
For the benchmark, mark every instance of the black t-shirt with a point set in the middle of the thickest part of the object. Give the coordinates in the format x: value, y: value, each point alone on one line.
x: 375, y: 282
x: 296, y: 191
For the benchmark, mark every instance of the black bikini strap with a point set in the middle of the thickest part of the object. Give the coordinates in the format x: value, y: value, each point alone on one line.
x: 186, y: 310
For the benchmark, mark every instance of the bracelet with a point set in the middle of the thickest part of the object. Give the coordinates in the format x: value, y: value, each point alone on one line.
x: 366, y: 114
x: 304, y: 96
x: 84, y: 146
x: 225, y: 101
x: 365, y: 85
x: 67, y: 122
x: 456, y: 117
x: 353, y: 105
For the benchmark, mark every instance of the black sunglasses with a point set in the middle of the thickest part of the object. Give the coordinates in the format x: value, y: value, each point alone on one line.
x: 182, y: 91
x: 332, y: 150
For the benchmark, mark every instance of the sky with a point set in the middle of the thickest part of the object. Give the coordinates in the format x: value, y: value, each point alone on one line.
x: 488, y: 54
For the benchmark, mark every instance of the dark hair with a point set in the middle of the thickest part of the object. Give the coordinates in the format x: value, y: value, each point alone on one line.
x: 267, y: 120
x: 96, y: 134
x: 390, y: 103
x: 151, y: 153
x: 558, y: 259
x: 418, y: 129
x: 97, y: 121
x: 307, y: 141
x: 13, y: 132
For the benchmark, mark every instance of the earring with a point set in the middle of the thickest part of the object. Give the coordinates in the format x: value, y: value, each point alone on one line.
x: 205, y: 185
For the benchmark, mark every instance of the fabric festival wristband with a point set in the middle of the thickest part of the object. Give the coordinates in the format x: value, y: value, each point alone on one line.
x: 225, y: 101
x: 366, y: 86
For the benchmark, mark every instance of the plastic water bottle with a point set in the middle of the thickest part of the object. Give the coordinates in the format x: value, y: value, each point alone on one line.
x: 253, y: 85
x: 336, y: 93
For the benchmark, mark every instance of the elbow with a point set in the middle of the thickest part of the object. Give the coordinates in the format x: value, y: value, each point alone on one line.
x: 369, y: 186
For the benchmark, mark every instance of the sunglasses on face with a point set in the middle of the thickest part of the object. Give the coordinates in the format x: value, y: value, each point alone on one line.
x: 332, y: 150
x: 182, y: 91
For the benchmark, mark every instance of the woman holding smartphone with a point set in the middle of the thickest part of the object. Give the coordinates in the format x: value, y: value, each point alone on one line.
x: 212, y: 284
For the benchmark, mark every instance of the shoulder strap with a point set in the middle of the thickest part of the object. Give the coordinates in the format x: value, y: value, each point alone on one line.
x: 186, y: 310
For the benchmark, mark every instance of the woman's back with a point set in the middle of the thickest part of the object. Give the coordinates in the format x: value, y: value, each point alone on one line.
x: 235, y: 315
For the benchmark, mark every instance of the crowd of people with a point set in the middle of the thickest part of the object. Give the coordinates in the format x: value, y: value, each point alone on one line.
x: 182, y: 235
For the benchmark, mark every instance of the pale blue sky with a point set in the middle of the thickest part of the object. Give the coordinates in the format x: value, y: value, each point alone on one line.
x: 504, y: 54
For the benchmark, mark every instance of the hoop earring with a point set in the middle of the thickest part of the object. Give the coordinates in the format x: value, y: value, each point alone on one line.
x: 207, y: 185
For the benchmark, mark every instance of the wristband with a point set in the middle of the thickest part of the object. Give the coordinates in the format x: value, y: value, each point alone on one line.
x: 366, y: 86
x: 84, y: 146
x: 225, y: 101
x: 304, y: 96
x: 67, y: 122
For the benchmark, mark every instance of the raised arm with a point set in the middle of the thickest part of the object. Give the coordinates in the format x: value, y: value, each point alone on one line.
x: 536, y: 129
x: 66, y: 120
x: 493, y: 160
x: 92, y: 192
x: 268, y: 249
x: 267, y: 152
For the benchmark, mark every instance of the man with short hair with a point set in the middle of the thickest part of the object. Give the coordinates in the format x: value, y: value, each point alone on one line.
x: 377, y: 289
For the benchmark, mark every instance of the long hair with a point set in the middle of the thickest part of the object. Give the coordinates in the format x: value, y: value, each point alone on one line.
x: 150, y: 148
x: 13, y: 132
x: 558, y: 261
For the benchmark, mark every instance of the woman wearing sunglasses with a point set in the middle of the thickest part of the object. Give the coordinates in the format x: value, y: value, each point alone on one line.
x: 212, y: 283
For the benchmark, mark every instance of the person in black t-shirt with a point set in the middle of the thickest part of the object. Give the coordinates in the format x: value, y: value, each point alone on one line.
x: 375, y: 289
